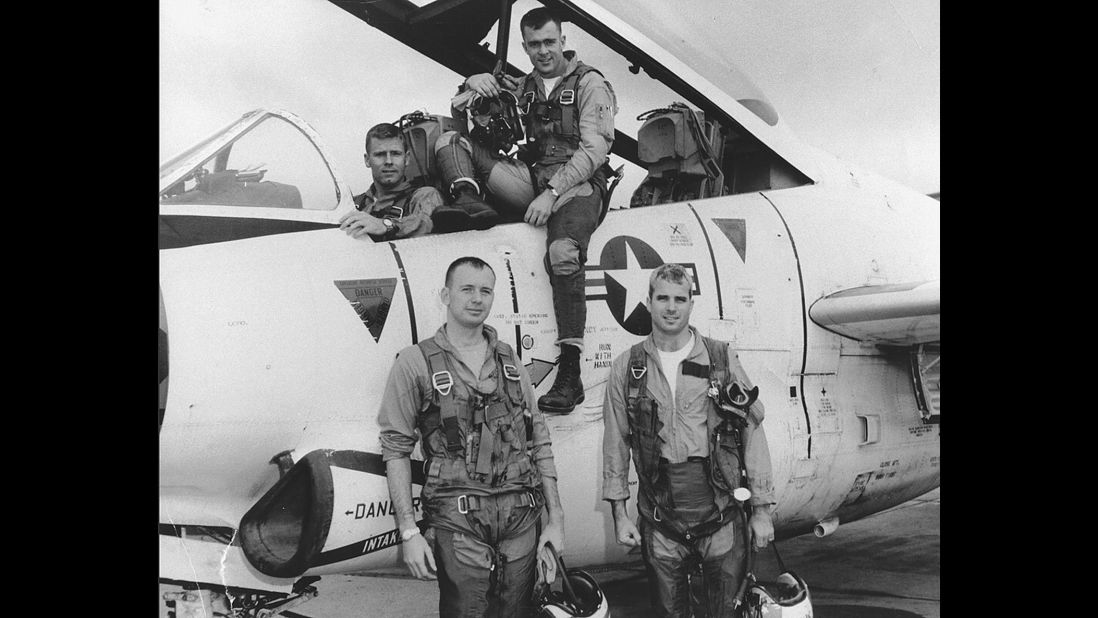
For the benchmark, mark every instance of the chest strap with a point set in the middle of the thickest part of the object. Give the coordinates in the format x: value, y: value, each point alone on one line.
x: 442, y: 380
x: 638, y: 373
x: 563, y: 107
x: 396, y: 210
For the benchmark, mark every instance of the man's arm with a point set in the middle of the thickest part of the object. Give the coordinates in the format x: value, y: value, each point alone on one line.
x: 486, y: 84
x: 418, y: 556
x: 361, y: 224
x: 757, y: 462
x: 615, y: 453
x: 417, y: 221
x: 553, y: 531
x: 596, y: 109
x: 542, y: 455
x: 397, y: 419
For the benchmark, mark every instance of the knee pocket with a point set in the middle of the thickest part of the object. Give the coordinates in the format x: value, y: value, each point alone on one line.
x: 564, y: 256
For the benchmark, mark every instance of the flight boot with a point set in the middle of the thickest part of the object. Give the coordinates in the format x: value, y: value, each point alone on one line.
x: 466, y: 209
x: 567, y: 391
x: 481, y: 215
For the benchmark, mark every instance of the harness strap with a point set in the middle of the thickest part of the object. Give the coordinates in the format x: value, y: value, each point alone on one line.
x: 396, y: 210
x: 460, y: 514
x: 509, y: 382
x: 638, y: 373
x: 565, y: 101
x: 443, y: 381
x: 688, y: 535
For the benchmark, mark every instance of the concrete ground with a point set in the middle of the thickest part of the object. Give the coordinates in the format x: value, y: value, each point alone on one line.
x: 885, y: 566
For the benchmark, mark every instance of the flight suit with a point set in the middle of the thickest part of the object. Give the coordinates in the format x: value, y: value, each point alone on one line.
x: 575, y: 173
x: 690, y: 479
x: 482, y: 505
x: 409, y: 207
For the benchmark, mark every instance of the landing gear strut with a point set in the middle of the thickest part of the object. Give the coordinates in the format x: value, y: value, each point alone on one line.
x: 231, y: 603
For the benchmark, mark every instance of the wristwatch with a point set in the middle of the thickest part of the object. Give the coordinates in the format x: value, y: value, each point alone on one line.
x: 407, y: 535
x: 390, y: 227
x: 553, y: 191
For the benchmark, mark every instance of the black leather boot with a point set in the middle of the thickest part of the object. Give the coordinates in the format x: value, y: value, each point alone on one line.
x: 482, y: 215
x: 466, y: 212
x: 567, y: 391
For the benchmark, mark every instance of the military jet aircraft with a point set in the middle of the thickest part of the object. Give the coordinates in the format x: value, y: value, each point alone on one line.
x: 277, y: 330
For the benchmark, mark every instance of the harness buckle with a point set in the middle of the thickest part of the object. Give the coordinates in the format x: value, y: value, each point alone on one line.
x: 529, y: 98
x: 510, y: 372
x: 442, y: 381
x: 533, y: 503
x: 656, y: 513
x: 638, y: 371
x: 463, y: 504
x: 567, y: 97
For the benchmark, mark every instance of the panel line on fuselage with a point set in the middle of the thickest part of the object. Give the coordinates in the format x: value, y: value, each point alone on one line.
x: 514, y: 306
x: 713, y: 258
x: 407, y: 293
x: 804, y: 322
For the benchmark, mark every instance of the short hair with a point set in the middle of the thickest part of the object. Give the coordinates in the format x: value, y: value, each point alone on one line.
x: 384, y: 130
x: 675, y: 273
x: 468, y: 260
x: 537, y: 18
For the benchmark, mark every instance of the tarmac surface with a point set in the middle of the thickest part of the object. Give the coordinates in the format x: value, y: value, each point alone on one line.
x: 887, y: 565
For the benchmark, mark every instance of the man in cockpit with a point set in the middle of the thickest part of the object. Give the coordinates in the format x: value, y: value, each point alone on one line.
x: 560, y: 181
x: 392, y: 207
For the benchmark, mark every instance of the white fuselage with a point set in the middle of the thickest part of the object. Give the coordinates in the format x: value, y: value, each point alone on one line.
x: 267, y: 354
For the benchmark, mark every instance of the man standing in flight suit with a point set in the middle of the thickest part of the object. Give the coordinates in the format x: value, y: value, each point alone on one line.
x: 489, y: 466
x: 569, y: 129
x: 661, y: 403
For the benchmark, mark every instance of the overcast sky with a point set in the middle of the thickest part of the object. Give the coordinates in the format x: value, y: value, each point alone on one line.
x: 857, y: 78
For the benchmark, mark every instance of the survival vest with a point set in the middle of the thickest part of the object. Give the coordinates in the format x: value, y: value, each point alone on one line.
x: 725, y: 467
x: 482, y: 443
x: 552, y: 126
x: 478, y: 454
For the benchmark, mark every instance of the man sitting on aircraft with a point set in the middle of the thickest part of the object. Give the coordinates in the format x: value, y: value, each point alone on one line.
x: 392, y: 207
x: 668, y: 399
x: 489, y: 465
x: 569, y: 130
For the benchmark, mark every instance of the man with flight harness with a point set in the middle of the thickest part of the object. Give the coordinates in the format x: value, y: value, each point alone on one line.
x: 681, y: 404
x: 392, y: 207
x: 558, y: 180
x: 488, y: 462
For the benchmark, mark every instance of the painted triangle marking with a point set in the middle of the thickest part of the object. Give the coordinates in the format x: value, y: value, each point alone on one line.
x: 538, y: 370
x: 736, y: 232
x: 371, y: 299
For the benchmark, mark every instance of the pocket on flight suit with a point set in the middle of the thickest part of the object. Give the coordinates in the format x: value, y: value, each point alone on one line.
x: 720, y: 542
x: 471, y: 552
x: 521, y: 545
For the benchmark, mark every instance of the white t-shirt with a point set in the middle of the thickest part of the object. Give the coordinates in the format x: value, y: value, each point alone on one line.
x: 549, y: 83
x: 671, y: 361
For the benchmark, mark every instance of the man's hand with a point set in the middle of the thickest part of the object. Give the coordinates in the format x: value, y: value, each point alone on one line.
x: 547, y: 566
x: 419, y: 558
x: 358, y: 224
x: 486, y: 84
x: 762, y: 528
x: 537, y: 213
x: 627, y: 531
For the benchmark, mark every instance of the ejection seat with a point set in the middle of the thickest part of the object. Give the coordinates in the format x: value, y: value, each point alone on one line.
x: 682, y: 152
